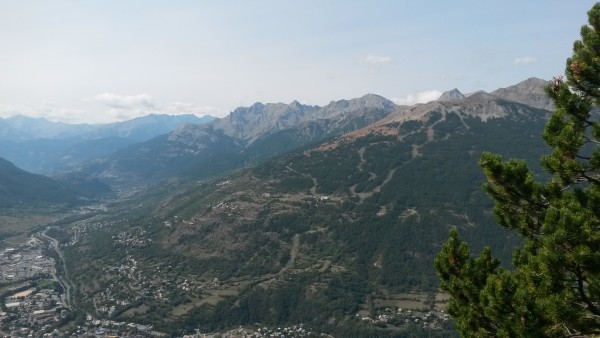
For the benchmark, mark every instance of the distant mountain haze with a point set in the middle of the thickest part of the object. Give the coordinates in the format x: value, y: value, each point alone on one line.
x: 154, y: 147
x: 42, y: 146
x: 18, y: 187
x: 23, y: 128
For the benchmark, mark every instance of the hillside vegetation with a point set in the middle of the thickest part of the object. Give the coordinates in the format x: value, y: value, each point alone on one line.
x: 20, y: 187
x: 319, y: 235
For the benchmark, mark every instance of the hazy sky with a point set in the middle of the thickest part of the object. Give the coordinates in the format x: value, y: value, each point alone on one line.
x: 104, y: 61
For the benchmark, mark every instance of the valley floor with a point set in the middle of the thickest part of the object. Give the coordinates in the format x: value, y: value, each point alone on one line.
x: 35, y: 296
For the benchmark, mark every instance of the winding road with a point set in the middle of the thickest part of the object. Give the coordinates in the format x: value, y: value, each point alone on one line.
x: 293, y: 253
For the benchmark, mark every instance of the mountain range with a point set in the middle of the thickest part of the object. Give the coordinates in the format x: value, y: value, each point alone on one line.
x: 277, y: 213
x: 24, y: 128
x: 245, y: 136
x: 251, y: 134
x: 283, y: 213
x: 127, y: 153
x: 42, y: 146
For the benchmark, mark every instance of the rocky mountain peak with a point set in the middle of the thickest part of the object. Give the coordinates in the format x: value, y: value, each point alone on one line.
x: 477, y: 92
x: 452, y: 95
x: 365, y: 101
x: 296, y: 105
x: 248, y: 123
x: 375, y: 101
x: 530, y: 92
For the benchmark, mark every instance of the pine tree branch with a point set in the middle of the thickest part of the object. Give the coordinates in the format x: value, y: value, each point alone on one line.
x: 579, y: 334
x: 566, y: 187
x: 590, y: 140
x: 589, y: 178
x: 529, y: 201
x: 587, y: 123
x: 590, y: 305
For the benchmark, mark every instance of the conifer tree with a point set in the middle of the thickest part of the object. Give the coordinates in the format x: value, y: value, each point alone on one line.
x: 553, y: 289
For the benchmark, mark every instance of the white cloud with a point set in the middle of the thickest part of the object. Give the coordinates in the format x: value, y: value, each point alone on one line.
x: 422, y: 97
x: 8, y: 110
x: 373, y: 59
x: 525, y: 60
x: 126, y: 107
x: 45, y: 109
x: 114, y: 108
x: 142, y: 101
x: 176, y: 108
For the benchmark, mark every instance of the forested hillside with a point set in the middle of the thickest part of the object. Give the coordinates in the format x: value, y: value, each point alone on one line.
x: 319, y: 235
x: 18, y: 187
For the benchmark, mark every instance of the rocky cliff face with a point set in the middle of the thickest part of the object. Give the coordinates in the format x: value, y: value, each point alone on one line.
x: 247, y: 124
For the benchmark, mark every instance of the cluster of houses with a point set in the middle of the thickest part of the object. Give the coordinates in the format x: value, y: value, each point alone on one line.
x: 84, y: 229
x: 33, y: 307
x: 110, y: 328
x: 137, y: 239
x: 134, y: 284
x: 397, y: 316
x: 292, y: 331
x: 24, y: 262
x: 32, y: 310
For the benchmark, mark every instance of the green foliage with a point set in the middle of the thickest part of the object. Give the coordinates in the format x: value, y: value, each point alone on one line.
x: 49, y: 284
x: 361, y: 218
x: 454, y: 261
x: 391, y: 250
x: 59, y: 234
x: 21, y: 188
x: 554, y: 288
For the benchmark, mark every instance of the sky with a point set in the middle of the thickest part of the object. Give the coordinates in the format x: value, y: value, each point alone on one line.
x: 112, y: 60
